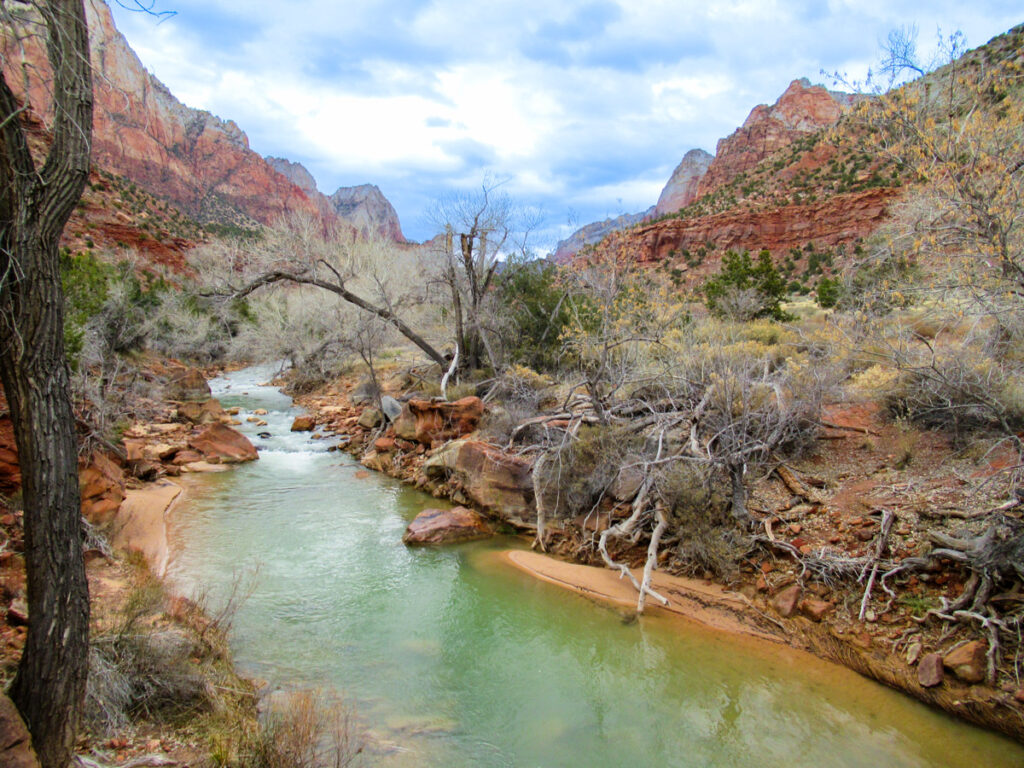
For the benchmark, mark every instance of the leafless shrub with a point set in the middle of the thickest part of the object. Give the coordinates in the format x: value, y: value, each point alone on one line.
x: 137, y: 670
x: 307, y: 729
x: 958, y: 388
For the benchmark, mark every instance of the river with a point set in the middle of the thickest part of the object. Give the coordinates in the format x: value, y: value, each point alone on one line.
x: 452, y: 658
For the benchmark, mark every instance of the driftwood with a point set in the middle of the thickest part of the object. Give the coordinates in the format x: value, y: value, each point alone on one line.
x: 797, y: 486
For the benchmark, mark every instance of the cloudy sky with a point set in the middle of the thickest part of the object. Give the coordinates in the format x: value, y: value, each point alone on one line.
x: 583, y: 107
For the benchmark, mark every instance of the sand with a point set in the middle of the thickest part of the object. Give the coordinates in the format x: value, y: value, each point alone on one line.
x: 140, y: 523
x: 700, y: 601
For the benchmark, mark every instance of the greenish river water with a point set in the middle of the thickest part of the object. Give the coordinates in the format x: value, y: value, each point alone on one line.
x: 453, y: 658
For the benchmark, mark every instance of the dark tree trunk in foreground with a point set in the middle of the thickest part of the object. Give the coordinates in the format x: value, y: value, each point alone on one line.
x: 35, y: 203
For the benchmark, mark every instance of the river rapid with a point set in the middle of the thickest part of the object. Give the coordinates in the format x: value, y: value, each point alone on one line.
x: 453, y: 658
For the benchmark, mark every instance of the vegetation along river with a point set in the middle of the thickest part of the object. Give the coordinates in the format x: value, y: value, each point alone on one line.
x: 453, y: 658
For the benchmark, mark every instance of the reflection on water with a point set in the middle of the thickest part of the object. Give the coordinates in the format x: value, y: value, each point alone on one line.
x: 454, y: 659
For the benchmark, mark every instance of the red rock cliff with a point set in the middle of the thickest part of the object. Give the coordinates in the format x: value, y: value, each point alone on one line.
x: 803, y: 108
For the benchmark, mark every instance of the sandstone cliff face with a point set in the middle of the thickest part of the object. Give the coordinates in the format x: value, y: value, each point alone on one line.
x: 682, y: 186
x: 199, y: 162
x: 839, y: 219
x: 803, y: 108
x: 365, y: 208
x: 195, y: 159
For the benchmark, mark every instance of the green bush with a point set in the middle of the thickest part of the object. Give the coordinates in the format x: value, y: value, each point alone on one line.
x: 828, y: 292
x: 530, y: 293
x: 85, y: 280
x: 745, y: 290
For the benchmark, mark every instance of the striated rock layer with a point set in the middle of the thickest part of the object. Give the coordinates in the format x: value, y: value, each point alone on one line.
x: 839, y: 219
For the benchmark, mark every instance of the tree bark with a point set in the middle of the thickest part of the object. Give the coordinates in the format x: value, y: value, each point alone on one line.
x: 49, y: 687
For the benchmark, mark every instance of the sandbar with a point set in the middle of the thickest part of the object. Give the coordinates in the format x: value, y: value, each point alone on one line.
x: 706, y: 603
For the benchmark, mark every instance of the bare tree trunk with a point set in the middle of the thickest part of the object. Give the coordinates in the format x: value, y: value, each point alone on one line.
x: 49, y: 687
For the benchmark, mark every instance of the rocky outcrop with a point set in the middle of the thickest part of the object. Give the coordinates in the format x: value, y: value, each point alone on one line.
x: 426, y: 422
x: 839, y: 219
x: 595, y: 233
x: 296, y: 173
x: 221, y: 443
x: 803, y: 108
x: 198, y: 161
x: 187, y: 385
x: 681, y: 188
x: 497, y: 482
x: 367, y: 210
x: 446, y: 526
x: 102, y: 485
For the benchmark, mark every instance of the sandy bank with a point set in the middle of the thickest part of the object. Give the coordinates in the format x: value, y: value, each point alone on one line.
x: 140, y: 524
x: 699, y: 601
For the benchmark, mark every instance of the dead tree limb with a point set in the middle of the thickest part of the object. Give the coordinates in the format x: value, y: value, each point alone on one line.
x: 880, y: 546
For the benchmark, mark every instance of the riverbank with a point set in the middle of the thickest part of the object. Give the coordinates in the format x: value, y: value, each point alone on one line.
x: 830, y: 503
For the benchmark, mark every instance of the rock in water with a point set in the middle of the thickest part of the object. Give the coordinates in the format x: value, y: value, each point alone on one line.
x: 224, y: 444
x: 303, y: 424
x: 446, y: 526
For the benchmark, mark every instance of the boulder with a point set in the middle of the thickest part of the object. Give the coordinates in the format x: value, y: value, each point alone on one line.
x: 15, y: 743
x: 929, y: 670
x: 370, y: 418
x: 304, y: 423
x: 201, y: 413
x: 391, y: 407
x: 424, y: 421
x: 446, y: 526
x: 161, y: 451
x: 786, y: 602
x: 187, y: 457
x: 102, y: 487
x: 967, y: 662
x: 225, y: 444
x: 384, y: 445
x: 187, y: 385
x: 495, y: 481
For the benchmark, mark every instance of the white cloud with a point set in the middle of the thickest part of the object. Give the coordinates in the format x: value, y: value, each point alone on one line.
x: 584, y: 104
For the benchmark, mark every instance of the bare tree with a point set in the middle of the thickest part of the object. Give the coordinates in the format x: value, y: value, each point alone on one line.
x: 299, y: 252
x: 35, y: 204
x: 477, y: 229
